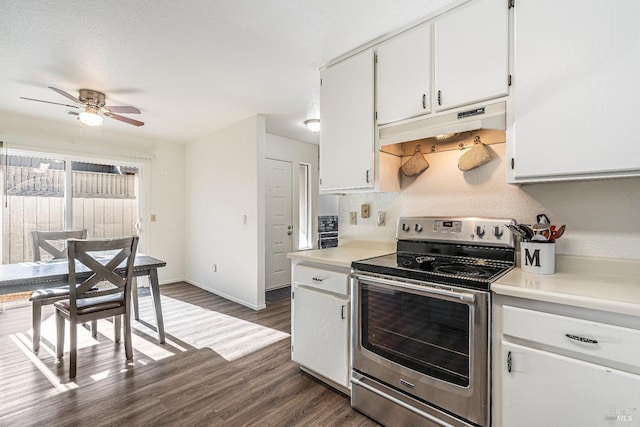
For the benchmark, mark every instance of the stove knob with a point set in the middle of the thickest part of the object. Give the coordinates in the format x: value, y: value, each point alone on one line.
x: 479, y: 230
x: 405, y: 227
x: 418, y: 228
x: 497, y: 231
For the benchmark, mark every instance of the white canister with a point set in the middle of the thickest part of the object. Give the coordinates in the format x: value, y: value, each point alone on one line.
x: 538, y: 257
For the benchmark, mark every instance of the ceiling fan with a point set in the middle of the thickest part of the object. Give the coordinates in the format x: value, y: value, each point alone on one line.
x: 93, y: 104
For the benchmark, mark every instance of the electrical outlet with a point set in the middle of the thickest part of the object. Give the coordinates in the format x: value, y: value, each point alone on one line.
x: 353, y: 218
x: 154, y: 217
x: 381, y: 218
x: 364, y: 211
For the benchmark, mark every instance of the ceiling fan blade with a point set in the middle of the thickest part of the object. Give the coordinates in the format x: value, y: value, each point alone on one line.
x: 63, y: 93
x: 123, y: 109
x: 125, y: 119
x: 49, y: 102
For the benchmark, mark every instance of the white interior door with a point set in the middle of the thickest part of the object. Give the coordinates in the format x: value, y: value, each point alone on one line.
x: 279, y: 224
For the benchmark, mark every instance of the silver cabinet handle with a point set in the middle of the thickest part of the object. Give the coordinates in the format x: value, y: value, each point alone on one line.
x: 317, y: 279
x: 424, y: 101
x: 342, y: 312
x: 581, y: 339
x: 509, y: 362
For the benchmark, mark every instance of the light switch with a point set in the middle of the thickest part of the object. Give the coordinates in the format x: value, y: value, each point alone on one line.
x: 381, y: 218
x: 353, y: 218
x: 364, y: 211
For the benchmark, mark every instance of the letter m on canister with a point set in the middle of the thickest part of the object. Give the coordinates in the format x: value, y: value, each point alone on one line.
x: 533, y: 260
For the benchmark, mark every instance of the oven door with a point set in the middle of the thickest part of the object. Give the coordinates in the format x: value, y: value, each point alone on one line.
x: 425, y: 340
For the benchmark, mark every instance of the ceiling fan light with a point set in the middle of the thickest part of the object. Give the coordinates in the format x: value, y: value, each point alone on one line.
x: 313, y: 125
x: 90, y: 117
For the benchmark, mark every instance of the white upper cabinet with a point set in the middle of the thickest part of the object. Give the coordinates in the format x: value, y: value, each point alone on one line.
x: 403, y: 76
x: 576, y: 90
x: 471, y: 46
x: 347, y: 117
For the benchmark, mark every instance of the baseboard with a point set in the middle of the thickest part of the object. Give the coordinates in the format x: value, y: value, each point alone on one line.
x: 226, y: 296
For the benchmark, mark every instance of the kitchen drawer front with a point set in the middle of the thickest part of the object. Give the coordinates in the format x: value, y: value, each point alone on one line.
x: 597, y: 340
x: 330, y: 281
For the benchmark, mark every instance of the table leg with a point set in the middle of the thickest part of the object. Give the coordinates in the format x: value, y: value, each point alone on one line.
x: 155, y: 296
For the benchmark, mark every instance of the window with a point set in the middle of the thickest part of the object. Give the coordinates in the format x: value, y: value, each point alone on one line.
x: 48, y: 192
x: 304, y: 200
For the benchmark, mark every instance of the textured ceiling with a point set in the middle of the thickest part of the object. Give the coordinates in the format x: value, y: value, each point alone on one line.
x: 191, y: 66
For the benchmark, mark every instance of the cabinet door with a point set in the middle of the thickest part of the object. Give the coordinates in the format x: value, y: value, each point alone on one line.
x: 403, y: 76
x: 472, y: 54
x: 320, y: 334
x: 347, y: 117
x: 546, y: 389
x: 576, y: 89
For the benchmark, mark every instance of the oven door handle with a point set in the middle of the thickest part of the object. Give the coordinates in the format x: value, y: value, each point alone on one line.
x: 417, y: 411
x: 462, y: 296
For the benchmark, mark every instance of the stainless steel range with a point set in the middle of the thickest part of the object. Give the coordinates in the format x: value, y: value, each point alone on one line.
x: 420, y: 323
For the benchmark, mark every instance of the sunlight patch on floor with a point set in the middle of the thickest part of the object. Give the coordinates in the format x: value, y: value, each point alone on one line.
x: 23, y: 342
x: 49, y: 334
x: 199, y: 327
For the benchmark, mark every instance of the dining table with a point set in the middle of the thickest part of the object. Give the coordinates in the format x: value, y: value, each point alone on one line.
x: 31, y: 276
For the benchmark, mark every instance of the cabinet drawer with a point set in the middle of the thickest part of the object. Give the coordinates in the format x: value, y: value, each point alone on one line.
x: 330, y: 281
x: 597, y: 340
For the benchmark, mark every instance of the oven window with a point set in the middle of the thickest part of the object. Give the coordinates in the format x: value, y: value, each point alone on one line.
x: 426, y: 334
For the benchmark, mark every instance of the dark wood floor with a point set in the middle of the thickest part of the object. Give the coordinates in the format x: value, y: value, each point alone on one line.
x: 177, y: 383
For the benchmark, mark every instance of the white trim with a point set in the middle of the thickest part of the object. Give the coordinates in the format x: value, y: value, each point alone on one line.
x: 226, y: 296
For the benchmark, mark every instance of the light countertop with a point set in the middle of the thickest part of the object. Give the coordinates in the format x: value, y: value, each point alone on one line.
x: 594, y: 283
x: 346, y: 253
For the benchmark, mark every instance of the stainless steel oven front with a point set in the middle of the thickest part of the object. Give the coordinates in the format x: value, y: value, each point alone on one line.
x: 420, y: 351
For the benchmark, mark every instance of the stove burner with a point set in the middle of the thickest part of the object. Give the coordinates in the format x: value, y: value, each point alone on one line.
x: 463, y: 270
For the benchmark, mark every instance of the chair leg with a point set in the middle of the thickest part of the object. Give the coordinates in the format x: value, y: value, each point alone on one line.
x: 94, y: 328
x: 36, y: 313
x: 128, y: 346
x: 73, y: 348
x: 59, y: 335
x: 134, y: 297
x: 117, y: 325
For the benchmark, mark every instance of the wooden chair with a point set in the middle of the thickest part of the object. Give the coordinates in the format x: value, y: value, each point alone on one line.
x: 49, y: 242
x: 85, y: 303
x: 52, y: 244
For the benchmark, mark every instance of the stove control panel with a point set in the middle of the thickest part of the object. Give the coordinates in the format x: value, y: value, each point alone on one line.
x: 482, y: 231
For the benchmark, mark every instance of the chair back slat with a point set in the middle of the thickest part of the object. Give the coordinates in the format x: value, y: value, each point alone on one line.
x: 102, y: 258
x: 44, y: 241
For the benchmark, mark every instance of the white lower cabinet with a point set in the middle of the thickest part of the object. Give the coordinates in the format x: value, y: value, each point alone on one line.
x: 320, y: 324
x: 557, y: 365
x: 541, y: 388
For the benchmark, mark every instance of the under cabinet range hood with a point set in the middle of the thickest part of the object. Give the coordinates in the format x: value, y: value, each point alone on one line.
x: 443, y: 127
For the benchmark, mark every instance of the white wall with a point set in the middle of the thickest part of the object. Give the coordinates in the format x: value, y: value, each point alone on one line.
x: 297, y: 152
x: 328, y: 204
x: 224, y: 183
x: 163, y: 175
x: 602, y: 217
